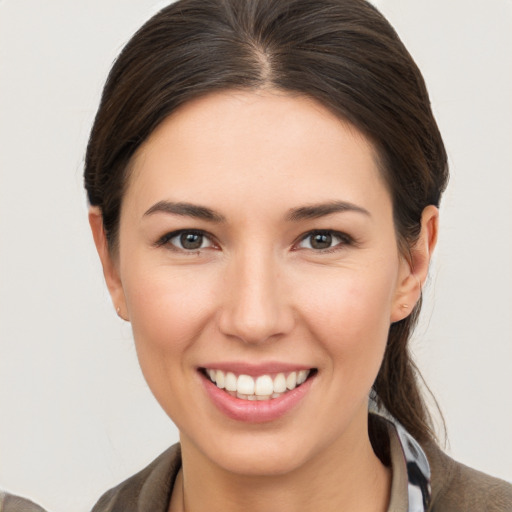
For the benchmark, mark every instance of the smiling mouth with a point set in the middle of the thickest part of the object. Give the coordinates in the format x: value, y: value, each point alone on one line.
x: 262, y: 387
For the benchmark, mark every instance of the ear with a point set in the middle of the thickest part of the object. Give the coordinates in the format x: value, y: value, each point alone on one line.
x: 110, y: 267
x: 414, y: 270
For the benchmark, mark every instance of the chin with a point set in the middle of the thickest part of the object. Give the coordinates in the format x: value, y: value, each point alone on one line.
x: 261, y: 460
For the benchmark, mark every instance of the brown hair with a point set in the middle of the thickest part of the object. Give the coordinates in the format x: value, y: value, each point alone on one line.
x: 343, y: 53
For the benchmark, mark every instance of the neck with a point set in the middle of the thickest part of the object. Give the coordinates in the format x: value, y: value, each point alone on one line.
x: 347, y: 476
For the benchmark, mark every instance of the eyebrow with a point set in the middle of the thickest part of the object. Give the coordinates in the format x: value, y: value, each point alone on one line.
x: 315, y: 211
x: 295, y: 214
x: 185, y: 210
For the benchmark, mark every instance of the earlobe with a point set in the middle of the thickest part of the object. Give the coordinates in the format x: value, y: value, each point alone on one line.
x: 414, y: 269
x: 110, y: 268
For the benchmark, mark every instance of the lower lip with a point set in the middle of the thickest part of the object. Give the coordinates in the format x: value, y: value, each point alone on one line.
x: 255, y: 411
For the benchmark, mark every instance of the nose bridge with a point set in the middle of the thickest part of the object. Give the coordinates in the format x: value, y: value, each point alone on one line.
x: 255, y: 307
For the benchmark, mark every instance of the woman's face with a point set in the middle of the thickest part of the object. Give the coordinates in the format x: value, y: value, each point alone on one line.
x: 257, y: 240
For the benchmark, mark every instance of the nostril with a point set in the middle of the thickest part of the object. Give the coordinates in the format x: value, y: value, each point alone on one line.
x: 256, y: 327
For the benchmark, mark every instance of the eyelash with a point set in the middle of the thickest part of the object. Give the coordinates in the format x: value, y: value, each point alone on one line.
x: 165, y: 240
x: 345, y: 240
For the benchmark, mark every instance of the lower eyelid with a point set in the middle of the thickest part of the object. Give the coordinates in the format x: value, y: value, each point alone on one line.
x: 343, y: 239
x: 166, y: 239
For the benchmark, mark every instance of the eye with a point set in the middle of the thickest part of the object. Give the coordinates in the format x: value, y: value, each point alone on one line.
x: 187, y: 240
x: 323, y: 240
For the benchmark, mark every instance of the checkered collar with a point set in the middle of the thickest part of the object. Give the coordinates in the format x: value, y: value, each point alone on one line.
x: 418, y: 469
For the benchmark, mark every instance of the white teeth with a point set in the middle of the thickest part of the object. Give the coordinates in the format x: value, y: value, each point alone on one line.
x: 291, y: 381
x: 245, y: 385
x: 230, y: 381
x: 218, y: 378
x: 302, y: 376
x: 263, y: 387
x: 280, y: 383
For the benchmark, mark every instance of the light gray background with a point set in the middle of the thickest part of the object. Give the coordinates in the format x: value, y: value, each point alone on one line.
x: 75, y: 415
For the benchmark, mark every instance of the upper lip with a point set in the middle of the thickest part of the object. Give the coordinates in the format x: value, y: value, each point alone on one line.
x: 255, y: 369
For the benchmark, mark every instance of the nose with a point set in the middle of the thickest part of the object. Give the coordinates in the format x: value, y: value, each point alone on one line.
x: 255, y: 306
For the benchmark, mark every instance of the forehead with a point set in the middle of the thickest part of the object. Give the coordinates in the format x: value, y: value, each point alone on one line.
x: 230, y: 144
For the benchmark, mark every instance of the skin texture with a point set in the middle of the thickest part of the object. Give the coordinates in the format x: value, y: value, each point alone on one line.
x: 258, y: 292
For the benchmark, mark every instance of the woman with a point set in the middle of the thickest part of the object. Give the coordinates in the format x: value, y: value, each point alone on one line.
x: 264, y: 180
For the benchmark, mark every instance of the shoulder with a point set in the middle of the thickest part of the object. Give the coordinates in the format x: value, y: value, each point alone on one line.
x: 458, y: 488
x: 148, y: 490
x: 11, y: 503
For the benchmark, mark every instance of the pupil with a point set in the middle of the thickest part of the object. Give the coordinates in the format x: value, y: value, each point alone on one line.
x: 191, y: 240
x: 321, y: 241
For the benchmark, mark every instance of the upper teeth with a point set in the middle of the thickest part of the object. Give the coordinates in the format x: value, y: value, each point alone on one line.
x: 257, y: 388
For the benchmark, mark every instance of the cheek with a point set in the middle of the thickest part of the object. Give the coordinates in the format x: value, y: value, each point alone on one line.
x: 350, y: 314
x: 168, y: 308
x: 168, y: 311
